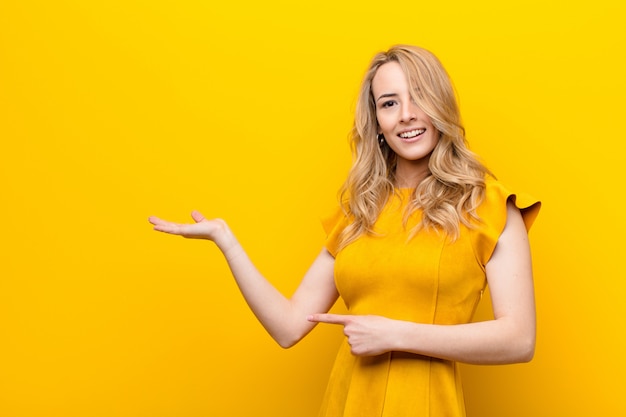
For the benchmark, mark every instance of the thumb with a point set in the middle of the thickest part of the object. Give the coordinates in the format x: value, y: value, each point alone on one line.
x: 197, y: 216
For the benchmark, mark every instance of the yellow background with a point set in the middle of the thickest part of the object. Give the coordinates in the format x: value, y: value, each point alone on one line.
x: 111, y: 111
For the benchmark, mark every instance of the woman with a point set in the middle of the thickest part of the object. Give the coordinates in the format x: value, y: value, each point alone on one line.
x: 421, y: 229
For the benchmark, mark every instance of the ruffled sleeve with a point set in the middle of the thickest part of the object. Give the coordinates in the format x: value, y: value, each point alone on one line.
x: 333, y: 225
x: 492, y: 213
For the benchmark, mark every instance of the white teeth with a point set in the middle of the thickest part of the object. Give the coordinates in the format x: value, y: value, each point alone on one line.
x: 412, y: 133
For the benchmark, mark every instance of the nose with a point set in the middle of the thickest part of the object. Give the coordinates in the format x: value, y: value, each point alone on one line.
x: 409, y: 112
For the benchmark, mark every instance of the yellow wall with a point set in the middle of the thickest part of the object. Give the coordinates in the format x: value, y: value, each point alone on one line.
x: 114, y: 110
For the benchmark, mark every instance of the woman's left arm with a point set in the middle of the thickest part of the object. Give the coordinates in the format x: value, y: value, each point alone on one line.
x: 508, y: 338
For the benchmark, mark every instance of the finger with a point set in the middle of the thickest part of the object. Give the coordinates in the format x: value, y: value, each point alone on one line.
x: 169, y: 228
x: 329, y: 318
x: 197, y: 216
x: 154, y: 220
x: 165, y: 226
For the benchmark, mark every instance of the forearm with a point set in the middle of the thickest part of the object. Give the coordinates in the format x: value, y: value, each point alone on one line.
x: 273, y: 310
x: 499, y: 341
x: 510, y: 337
x: 285, y: 319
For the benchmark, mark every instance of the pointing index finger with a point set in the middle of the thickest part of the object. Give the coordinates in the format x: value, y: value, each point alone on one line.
x: 329, y: 318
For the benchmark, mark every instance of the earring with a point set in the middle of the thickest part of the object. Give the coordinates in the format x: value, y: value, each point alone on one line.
x: 381, y: 139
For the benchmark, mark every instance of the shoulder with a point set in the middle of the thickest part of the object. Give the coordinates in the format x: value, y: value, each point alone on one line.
x: 497, y: 195
x: 499, y: 200
x: 333, y: 223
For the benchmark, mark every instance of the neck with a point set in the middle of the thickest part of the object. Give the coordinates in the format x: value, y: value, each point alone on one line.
x: 410, y: 173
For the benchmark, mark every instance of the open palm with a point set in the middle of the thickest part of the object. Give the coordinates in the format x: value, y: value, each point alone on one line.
x: 201, y: 229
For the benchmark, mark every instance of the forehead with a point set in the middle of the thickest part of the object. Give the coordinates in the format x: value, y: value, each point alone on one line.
x: 389, y: 78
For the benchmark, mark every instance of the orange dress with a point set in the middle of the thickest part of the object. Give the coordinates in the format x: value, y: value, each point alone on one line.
x: 426, y: 279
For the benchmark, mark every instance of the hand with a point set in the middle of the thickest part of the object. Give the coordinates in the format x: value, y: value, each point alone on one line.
x: 367, y: 335
x: 201, y: 229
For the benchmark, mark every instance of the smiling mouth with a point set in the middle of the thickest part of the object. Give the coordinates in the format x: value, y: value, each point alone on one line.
x: 411, y: 133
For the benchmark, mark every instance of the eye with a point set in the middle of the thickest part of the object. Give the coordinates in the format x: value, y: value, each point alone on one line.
x: 387, y: 103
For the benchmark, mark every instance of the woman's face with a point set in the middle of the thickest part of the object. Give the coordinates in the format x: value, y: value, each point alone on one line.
x: 408, y: 131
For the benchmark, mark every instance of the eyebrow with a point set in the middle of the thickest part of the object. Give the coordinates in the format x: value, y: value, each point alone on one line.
x: 386, y: 95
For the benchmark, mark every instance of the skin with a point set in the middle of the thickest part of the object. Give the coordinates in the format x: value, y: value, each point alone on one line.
x: 397, y: 113
x: 508, y: 338
x: 285, y: 319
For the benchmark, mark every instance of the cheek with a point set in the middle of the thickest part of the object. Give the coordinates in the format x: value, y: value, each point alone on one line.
x: 383, y: 123
x: 378, y: 127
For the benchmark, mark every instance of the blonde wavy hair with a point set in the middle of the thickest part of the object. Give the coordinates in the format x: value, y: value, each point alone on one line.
x: 455, y: 184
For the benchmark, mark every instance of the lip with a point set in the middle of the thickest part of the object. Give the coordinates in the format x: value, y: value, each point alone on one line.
x: 414, y: 138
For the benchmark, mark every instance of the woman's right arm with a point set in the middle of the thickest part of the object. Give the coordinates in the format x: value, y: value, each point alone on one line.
x: 285, y: 319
